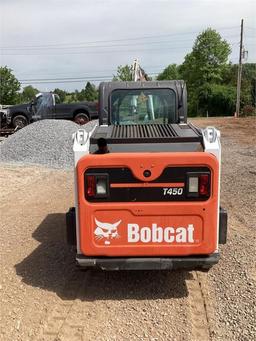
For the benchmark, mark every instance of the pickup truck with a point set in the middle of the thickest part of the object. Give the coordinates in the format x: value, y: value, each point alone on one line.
x: 46, y: 105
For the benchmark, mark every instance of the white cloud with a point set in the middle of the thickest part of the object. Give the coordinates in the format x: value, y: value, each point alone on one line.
x: 28, y: 22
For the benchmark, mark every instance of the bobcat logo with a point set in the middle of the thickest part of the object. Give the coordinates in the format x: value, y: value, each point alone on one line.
x: 106, y: 230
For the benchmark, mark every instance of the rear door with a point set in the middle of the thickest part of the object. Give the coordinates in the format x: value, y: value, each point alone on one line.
x: 148, y: 206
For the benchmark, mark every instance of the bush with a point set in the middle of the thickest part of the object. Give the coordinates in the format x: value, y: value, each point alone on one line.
x: 248, y: 110
x: 218, y: 100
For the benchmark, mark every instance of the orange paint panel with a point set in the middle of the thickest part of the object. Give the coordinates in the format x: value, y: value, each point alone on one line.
x: 140, y: 231
x: 128, y: 229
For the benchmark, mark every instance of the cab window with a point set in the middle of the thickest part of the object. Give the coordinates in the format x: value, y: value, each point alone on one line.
x: 143, y: 106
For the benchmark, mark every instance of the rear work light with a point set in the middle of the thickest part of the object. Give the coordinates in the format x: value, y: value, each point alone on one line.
x: 193, y: 184
x: 101, y: 186
x: 96, y: 185
x: 198, y: 185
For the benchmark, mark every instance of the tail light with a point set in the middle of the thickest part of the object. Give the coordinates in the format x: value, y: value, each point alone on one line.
x: 96, y: 185
x: 204, y: 185
x: 90, y: 185
x: 198, y: 185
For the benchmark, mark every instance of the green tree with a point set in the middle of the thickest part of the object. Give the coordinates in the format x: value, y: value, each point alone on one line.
x: 28, y: 93
x: 72, y: 97
x: 90, y: 92
x: 220, y: 99
x: 9, y: 86
x: 124, y: 73
x: 61, y: 93
x: 169, y: 73
x: 208, y: 58
x: 203, y: 67
x: 248, y: 85
x: 253, y: 91
x: 81, y: 96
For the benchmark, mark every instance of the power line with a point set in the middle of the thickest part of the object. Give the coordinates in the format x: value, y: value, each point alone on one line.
x: 95, y: 52
x: 55, y: 79
x: 109, y: 41
x: 105, y: 46
x: 71, y: 80
x: 96, y: 71
x: 99, y: 46
x: 105, y: 51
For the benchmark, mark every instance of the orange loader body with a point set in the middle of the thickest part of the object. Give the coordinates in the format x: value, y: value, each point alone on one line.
x: 202, y: 215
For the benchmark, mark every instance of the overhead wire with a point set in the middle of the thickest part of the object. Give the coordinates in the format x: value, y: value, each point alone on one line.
x: 72, y: 79
x: 99, y: 52
x: 107, y: 46
x: 103, y: 49
x: 109, y: 41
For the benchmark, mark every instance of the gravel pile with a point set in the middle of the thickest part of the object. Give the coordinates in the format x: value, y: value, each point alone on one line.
x: 46, y: 142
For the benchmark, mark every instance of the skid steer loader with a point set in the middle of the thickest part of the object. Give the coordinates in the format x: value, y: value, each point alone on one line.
x: 147, y: 183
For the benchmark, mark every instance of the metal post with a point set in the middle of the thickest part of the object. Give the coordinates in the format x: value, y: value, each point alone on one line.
x: 239, y: 73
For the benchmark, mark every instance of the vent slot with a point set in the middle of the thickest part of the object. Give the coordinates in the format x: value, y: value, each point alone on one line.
x: 143, y: 131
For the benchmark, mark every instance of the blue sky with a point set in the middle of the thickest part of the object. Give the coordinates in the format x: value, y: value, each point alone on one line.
x: 88, y: 39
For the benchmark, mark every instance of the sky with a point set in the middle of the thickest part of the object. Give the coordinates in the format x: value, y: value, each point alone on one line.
x: 64, y: 43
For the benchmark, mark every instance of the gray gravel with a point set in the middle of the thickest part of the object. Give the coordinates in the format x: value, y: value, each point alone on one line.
x: 232, y: 281
x: 47, y: 142
x: 43, y: 297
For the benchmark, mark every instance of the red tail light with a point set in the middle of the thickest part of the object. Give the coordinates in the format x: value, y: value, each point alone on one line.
x: 204, y: 185
x: 90, y: 185
x: 96, y: 186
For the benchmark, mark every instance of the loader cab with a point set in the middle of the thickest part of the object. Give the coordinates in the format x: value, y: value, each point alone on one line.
x: 140, y: 103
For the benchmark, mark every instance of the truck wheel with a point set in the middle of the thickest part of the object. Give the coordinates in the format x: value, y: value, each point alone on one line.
x: 81, y: 118
x: 20, y: 121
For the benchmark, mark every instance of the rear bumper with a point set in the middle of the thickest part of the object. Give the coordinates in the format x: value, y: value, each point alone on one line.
x: 148, y: 263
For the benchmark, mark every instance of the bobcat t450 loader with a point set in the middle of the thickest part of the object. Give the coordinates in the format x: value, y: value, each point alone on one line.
x: 147, y: 183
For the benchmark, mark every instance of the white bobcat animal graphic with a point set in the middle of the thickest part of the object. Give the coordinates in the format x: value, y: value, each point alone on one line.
x: 106, y: 230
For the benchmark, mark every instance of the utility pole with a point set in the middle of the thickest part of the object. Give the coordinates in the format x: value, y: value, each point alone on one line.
x: 239, y: 73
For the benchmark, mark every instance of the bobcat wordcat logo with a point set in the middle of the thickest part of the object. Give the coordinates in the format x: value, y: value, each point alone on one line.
x: 106, y: 231
x: 157, y: 234
x: 153, y: 234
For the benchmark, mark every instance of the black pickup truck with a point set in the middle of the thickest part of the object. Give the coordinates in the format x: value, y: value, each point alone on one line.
x: 46, y: 105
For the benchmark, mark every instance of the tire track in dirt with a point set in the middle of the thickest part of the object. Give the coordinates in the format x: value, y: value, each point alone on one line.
x: 79, y: 320
x: 201, y: 310
x: 103, y: 308
x: 56, y: 319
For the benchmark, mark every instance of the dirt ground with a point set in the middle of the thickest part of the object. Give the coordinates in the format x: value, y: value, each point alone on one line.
x: 44, y: 297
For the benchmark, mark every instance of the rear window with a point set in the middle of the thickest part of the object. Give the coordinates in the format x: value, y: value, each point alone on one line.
x: 143, y: 106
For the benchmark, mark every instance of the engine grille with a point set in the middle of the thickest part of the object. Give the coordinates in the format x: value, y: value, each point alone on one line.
x: 148, y: 134
x: 143, y: 131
